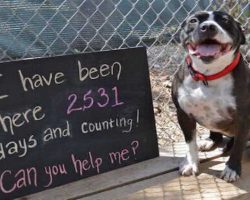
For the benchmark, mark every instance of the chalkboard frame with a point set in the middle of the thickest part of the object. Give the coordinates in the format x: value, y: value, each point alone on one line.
x: 118, y: 84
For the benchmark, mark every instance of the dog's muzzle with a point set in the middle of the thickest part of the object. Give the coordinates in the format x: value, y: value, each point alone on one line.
x: 209, y: 30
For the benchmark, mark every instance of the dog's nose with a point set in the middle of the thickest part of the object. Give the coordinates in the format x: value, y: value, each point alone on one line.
x: 211, y: 28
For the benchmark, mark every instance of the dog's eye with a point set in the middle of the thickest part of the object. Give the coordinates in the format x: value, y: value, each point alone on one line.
x: 225, y: 18
x: 193, y: 20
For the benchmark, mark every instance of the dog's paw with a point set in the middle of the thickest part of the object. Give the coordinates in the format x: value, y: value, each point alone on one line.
x: 229, y: 175
x: 206, y: 145
x: 188, y: 168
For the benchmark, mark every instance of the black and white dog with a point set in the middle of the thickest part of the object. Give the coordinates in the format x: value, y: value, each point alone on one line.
x: 213, y: 88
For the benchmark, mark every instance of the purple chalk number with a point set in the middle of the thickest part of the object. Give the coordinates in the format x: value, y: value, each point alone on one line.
x: 88, y: 101
x: 117, y: 103
x: 72, y: 98
x: 104, y: 96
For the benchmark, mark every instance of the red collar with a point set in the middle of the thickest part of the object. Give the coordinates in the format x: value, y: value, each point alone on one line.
x: 197, y: 76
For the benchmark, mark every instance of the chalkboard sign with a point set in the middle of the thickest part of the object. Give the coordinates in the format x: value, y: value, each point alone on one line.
x: 70, y: 117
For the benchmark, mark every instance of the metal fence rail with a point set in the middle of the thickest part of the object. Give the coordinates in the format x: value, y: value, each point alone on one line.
x: 42, y: 28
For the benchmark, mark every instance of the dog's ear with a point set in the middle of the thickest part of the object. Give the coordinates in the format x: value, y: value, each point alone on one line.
x: 242, y: 33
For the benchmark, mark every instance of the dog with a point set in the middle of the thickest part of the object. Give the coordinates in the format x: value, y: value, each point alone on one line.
x: 213, y: 88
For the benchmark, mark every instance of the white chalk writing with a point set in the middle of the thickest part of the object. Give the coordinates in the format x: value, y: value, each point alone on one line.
x: 18, y: 119
x: 38, y: 80
x: 103, y: 70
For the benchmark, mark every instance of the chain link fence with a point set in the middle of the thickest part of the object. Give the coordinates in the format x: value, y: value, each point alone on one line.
x: 42, y: 28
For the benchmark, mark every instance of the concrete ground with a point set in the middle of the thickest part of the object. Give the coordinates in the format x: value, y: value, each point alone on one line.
x: 206, y: 185
x: 158, y: 179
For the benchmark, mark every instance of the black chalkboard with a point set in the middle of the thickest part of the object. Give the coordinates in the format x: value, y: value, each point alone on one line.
x: 70, y: 117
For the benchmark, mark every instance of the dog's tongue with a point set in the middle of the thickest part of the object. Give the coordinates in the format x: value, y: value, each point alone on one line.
x: 208, y: 49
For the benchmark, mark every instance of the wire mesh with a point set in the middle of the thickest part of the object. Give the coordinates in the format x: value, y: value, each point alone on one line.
x: 42, y: 28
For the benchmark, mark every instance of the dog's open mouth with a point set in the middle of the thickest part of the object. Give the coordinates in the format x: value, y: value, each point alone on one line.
x: 209, y: 49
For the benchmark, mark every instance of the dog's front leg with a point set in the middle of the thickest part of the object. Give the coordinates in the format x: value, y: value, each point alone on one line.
x: 232, y: 170
x: 188, y: 125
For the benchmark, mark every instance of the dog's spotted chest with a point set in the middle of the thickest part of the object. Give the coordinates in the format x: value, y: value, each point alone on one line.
x: 211, y: 105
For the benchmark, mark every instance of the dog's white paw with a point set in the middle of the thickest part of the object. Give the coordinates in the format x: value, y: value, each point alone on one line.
x: 206, y: 145
x: 188, y: 168
x: 229, y: 175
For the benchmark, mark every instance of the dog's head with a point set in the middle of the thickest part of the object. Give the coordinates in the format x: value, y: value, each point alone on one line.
x: 208, y: 36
